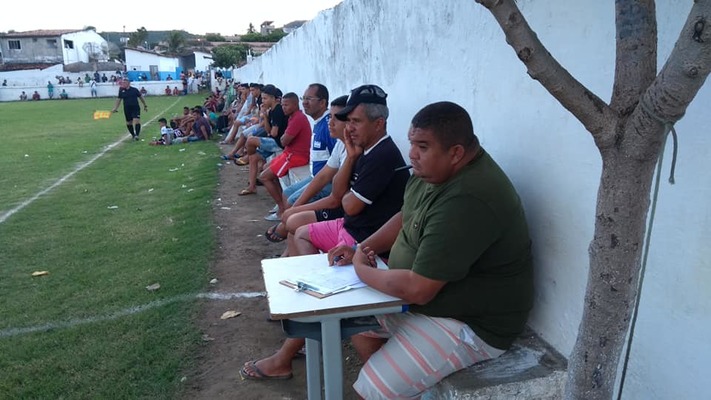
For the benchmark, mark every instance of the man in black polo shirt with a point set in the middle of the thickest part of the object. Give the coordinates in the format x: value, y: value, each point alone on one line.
x: 373, y: 171
x: 131, y: 110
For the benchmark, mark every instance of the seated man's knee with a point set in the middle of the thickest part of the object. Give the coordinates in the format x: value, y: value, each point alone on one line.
x: 302, y: 232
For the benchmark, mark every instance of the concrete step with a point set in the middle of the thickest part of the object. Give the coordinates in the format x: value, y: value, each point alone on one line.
x: 531, y: 369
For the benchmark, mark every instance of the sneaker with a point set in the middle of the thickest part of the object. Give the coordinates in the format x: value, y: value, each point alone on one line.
x: 136, y: 138
x: 272, y: 217
x: 274, y: 210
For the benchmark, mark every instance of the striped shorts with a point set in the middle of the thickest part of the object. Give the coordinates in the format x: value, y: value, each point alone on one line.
x: 420, y: 352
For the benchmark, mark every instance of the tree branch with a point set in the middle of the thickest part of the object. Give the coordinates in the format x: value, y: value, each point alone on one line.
x: 636, y: 58
x: 681, y: 78
x: 592, y: 111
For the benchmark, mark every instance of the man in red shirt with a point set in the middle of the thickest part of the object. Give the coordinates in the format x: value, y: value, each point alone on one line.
x: 297, y: 145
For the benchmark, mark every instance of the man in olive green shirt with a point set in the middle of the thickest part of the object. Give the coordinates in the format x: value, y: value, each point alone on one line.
x: 459, y: 255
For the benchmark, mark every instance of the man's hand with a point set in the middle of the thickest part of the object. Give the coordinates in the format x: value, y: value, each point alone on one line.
x: 365, y: 256
x: 352, y: 150
x: 340, y: 255
x: 145, y: 108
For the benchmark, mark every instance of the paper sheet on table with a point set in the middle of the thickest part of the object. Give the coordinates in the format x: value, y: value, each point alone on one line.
x: 330, y: 280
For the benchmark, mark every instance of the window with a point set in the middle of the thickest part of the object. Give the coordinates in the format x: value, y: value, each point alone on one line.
x: 14, y: 45
x: 52, y: 43
x: 68, y: 44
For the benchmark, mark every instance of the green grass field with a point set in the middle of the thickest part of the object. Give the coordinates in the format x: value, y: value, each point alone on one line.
x: 137, y: 215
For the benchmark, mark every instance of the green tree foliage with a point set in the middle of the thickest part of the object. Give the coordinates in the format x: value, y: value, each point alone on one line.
x: 251, y: 29
x: 214, y: 37
x: 275, y: 36
x: 229, y: 55
x: 138, y: 38
x: 176, y: 41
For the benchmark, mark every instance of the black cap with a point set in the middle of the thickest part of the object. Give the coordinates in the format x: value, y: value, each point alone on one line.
x: 368, y: 94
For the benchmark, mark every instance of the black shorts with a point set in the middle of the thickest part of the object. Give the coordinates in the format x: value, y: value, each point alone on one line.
x: 131, y: 112
x: 329, y: 214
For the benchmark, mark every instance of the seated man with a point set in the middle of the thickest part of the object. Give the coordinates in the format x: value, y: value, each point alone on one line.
x: 315, y: 103
x: 296, y: 142
x: 23, y: 96
x: 274, y: 122
x: 167, y: 90
x: 304, y: 210
x: 467, y: 275
x: 200, y: 129
x: 375, y: 195
x: 35, y: 95
x: 63, y: 95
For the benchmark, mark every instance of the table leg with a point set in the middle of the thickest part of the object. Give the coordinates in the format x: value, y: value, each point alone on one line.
x: 332, y: 358
x: 313, y: 369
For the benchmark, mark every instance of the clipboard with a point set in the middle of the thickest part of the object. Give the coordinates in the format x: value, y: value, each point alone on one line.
x: 310, y: 292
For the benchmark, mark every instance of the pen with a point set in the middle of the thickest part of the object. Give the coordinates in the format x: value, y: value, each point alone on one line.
x: 404, y: 167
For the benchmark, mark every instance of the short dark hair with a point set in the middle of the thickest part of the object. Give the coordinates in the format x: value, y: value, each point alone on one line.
x: 186, y: 108
x: 340, y: 101
x: 254, y: 84
x: 291, y: 95
x: 449, y: 122
x: 163, y: 120
x: 321, y: 91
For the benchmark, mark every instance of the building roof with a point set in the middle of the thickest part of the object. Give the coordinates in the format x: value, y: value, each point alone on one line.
x: 40, y: 33
x: 266, y: 23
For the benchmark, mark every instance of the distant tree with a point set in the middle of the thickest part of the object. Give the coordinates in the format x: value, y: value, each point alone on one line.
x: 251, y: 29
x: 176, y: 41
x: 275, y: 36
x: 90, y: 28
x: 138, y: 38
x: 214, y: 37
x: 229, y: 55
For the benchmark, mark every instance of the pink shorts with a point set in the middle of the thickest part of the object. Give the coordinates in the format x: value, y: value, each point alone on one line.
x: 326, y: 235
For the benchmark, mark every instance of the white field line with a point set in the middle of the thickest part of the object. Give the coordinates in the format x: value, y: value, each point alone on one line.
x: 79, y: 167
x: 10, y: 332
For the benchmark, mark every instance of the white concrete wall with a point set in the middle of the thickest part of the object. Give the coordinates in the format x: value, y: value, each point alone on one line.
x: 78, y: 53
x: 424, y: 51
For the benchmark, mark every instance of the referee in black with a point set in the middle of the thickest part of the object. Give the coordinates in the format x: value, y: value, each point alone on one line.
x: 131, y: 110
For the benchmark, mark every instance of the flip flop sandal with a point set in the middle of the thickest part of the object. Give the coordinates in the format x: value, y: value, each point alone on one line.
x: 240, y: 161
x: 259, y: 375
x: 246, y: 192
x: 273, y: 236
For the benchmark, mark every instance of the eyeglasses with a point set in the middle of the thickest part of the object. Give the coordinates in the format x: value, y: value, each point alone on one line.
x: 310, y: 98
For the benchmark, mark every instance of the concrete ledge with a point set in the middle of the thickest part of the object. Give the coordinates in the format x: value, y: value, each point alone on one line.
x: 531, y: 369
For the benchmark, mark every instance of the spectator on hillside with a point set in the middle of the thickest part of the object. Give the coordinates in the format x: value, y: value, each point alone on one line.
x: 4, y: 82
x: 169, y: 78
x: 103, y: 78
x: 97, y: 77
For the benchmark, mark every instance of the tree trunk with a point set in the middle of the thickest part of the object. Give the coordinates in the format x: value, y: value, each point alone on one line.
x: 615, y: 253
x: 629, y: 134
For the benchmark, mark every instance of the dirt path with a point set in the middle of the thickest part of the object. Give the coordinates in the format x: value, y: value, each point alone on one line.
x: 230, y: 343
